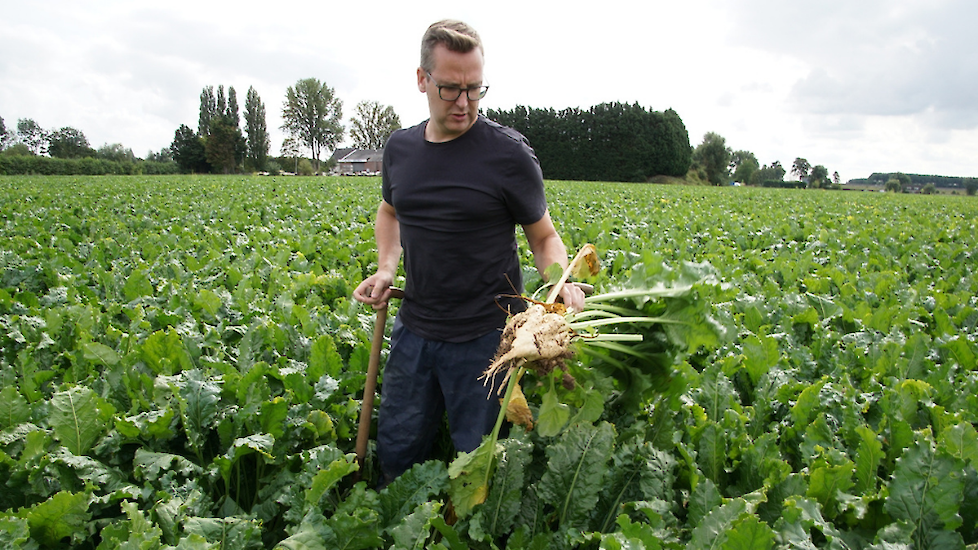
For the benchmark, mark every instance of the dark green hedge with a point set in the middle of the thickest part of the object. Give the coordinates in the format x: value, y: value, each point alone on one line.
x: 12, y: 165
x: 784, y: 184
x: 608, y: 142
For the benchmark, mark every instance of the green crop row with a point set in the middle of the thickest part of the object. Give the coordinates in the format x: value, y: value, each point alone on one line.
x: 181, y: 366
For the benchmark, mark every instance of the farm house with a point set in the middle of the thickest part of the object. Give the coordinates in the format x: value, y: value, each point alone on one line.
x: 359, y: 161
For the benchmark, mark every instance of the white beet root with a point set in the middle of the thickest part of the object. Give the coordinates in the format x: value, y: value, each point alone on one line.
x: 532, y: 336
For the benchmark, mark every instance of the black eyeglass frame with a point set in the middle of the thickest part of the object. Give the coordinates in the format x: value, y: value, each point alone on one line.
x: 481, y: 90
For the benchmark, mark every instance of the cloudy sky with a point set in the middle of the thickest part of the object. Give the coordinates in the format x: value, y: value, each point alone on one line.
x: 859, y: 87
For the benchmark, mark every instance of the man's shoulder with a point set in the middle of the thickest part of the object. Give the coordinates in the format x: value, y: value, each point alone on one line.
x: 412, y: 132
x: 497, y: 129
x: 404, y: 143
x: 510, y: 145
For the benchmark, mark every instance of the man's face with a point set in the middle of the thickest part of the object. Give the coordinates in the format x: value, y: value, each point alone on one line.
x: 450, y: 119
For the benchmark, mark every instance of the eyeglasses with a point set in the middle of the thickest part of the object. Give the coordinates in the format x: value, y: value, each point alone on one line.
x: 452, y: 93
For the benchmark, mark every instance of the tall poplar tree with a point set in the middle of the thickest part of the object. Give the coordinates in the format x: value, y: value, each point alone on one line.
x: 219, y: 128
x: 232, y: 110
x: 222, y: 102
x: 222, y: 146
x: 256, y: 128
x: 208, y: 110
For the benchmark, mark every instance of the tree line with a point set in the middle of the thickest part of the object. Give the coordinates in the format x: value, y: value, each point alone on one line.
x: 608, y: 142
x: 716, y: 163
x: 30, y: 149
x: 312, y: 118
x: 921, y: 181
x: 312, y: 115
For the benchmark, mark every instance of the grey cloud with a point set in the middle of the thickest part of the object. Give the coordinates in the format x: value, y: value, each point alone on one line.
x: 134, y: 74
x: 259, y: 51
x: 875, y: 58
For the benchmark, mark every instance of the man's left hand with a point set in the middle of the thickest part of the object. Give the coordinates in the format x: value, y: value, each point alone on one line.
x: 572, y: 296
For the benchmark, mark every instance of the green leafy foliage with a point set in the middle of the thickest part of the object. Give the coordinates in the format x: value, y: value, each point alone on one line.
x: 575, y: 471
x: 497, y: 516
x: 181, y: 366
x: 717, y: 526
x: 553, y: 414
x: 926, y: 493
x: 470, y: 473
x: 15, y: 533
x: 61, y: 516
x: 74, y: 417
x: 13, y: 408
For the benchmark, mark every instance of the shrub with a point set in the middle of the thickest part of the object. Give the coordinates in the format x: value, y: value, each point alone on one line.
x: 152, y: 167
x: 783, y: 184
x: 18, y: 149
x: 971, y: 186
x: 13, y: 165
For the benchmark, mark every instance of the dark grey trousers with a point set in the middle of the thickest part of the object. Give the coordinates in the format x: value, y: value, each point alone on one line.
x: 422, y: 380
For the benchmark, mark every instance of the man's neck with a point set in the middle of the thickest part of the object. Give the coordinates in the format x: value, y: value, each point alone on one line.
x: 431, y: 135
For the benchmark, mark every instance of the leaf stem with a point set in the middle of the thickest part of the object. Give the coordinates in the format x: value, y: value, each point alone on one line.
x: 513, y: 380
x: 622, y: 320
x: 494, y: 436
x: 638, y: 293
x: 588, y: 339
x: 572, y: 267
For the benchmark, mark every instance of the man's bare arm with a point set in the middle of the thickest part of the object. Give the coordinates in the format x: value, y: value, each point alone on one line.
x: 548, y: 249
x: 374, y: 290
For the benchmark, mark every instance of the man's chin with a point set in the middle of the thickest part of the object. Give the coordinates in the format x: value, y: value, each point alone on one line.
x: 458, y: 127
x: 460, y: 123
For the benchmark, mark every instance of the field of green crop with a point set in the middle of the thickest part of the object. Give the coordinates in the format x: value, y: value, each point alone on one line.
x: 181, y: 366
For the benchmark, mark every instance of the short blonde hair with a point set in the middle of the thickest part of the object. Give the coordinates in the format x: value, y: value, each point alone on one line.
x: 454, y: 35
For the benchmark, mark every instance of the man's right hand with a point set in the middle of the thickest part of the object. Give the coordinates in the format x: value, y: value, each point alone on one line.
x: 374, y: 291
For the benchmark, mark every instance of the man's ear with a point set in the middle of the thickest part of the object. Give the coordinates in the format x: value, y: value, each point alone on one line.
x: 422, y: 80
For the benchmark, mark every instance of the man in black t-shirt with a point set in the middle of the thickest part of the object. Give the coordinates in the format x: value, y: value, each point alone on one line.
x: 454, y: 189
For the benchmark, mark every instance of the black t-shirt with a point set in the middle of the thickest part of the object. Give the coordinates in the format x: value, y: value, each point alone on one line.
x: 458, y: 204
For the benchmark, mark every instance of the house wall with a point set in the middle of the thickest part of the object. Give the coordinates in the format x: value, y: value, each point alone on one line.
x: 361, y: 166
